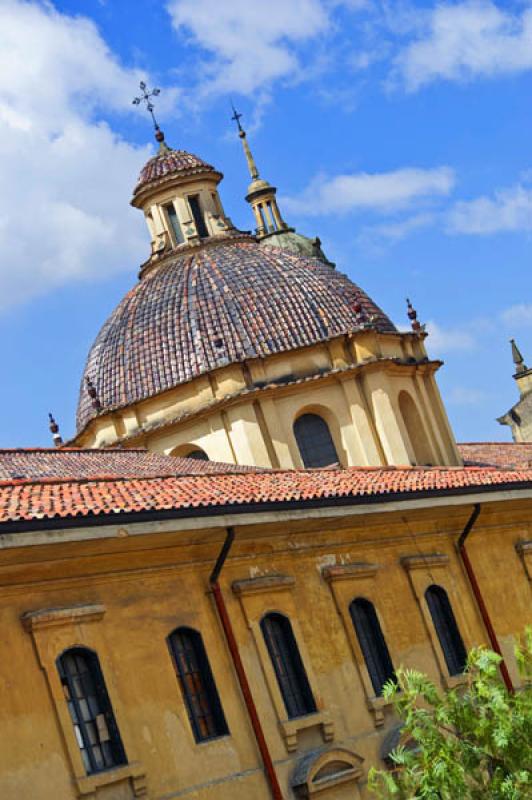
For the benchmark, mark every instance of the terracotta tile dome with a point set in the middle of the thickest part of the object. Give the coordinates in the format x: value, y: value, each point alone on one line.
x: 215, y: 306
x: 167, y: 164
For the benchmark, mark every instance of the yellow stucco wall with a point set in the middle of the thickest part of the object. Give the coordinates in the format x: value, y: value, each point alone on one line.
x: 125, y: 593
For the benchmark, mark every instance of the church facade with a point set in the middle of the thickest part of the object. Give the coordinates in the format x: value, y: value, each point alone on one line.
x: 263, y: 513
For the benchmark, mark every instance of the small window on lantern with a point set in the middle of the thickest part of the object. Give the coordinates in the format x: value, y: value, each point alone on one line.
x: 176, y: 233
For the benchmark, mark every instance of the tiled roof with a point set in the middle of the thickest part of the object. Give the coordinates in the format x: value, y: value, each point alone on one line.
x: 77, y: 463
x: 168, y: 163
x: 508, y: 455
x: 57, y: 499
x: 216, y: 306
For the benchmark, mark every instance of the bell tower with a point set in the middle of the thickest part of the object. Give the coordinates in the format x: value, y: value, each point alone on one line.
x: 519, y: 417
x: 261, y: 195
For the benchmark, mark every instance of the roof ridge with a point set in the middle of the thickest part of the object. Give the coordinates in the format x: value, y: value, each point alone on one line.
x: 407, y: 469
x: 69, y: 449
x: 511, y: 444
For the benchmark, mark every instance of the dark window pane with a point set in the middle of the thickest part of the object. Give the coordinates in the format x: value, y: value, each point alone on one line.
x: 372, y: 643
x: 90, y: 710
x: 174, y: 224
x: 197, y: 213
x: 199, y: 455
x: 197, y: 684
x: 314, y: 441
x: 446, y: 628
x: 289, y: 669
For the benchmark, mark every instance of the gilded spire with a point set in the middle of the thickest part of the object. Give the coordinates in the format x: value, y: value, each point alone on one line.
x: 518, y: 359
x: 253, y: 171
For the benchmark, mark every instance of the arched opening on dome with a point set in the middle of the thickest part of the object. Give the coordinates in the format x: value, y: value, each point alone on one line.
x: 415, y: 429
x: 315, y: 442
x: 190, y: 451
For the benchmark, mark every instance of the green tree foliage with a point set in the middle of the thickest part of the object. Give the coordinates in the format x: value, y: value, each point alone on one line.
x: 473, y: 742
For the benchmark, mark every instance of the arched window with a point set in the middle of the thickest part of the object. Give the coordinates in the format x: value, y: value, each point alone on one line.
x: 197, y: 684
x: 90, y: 710
x: 445, y: 624
x: 288, y: 666
x: 314, y: 440
x: 372, y: 643
x: 416, y: 431
x: 198, y: 454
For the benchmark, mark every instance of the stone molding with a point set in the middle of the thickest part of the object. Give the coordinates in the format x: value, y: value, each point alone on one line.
x: 54, y: 617
x: 358, y: 569
x: 265, y: 583
x: 424, y: 560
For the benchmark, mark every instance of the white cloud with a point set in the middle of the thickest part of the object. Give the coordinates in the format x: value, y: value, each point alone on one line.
x: 252, y: 44
x: 464, y: 40
x: 382, y: 192
x: 519, y: 315
x: 508, y: 210
x: 400, y: 229
x: 442, y: 340
x: 465, y: 396
x: 66, y: 176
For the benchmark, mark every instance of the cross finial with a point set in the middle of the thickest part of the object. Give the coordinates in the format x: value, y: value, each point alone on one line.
x: 237, y: 117
x: 146, y: 97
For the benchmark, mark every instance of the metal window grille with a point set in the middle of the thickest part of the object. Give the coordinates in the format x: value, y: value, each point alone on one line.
x: 197, y: 213
x: 314, y: 441
x: 288, y: 666
x: 446, y: 628
x: 94, y: 723
x: 372, y: 643
x: 197, y: 684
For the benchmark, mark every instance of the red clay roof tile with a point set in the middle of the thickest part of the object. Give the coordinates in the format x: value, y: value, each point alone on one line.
x: 510, y: 455
x: 60, y: 499
x: 212, y: 307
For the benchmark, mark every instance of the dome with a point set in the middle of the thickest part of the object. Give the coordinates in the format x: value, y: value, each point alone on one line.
x: 167, y: 165
x: 295, y: 242
x: 213, y: 306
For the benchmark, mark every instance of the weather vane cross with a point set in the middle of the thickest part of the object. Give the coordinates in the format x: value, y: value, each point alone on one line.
x: 146, y: 97
x: 237, y: 117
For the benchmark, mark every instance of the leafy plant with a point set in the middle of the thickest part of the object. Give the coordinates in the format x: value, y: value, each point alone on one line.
x: 473, y: 742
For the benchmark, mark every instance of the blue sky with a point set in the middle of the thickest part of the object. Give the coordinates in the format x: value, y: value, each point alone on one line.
x: 399, y: 132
